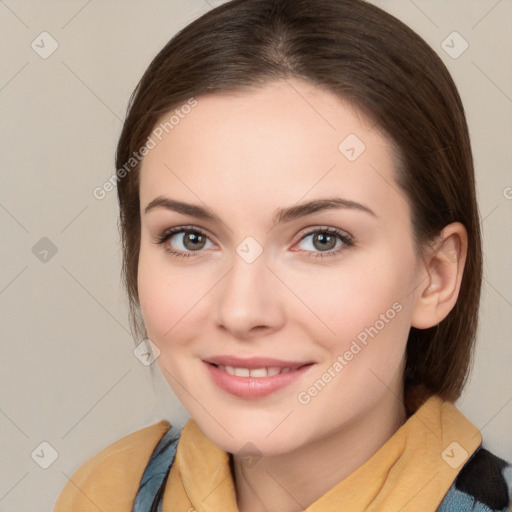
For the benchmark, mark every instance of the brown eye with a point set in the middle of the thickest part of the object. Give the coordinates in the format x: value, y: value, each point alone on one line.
x: 193, y: 241
x: 184, y: 241
x: 325, y: 240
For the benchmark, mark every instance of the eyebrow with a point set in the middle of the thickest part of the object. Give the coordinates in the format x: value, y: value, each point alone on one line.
x: 282, y: 214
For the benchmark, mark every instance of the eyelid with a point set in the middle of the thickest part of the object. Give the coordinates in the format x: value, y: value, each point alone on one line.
x: 310, y: 230
x: 166, y: 233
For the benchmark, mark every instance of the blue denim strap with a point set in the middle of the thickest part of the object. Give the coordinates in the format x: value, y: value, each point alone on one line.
x: 152, y: 484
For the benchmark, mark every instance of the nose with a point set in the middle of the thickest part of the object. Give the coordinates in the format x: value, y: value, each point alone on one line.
x: 247, y: 300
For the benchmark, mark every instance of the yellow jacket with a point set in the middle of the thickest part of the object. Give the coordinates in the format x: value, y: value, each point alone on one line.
x: 411, y: 472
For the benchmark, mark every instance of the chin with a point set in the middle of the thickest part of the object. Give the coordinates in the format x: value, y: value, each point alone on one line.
x: 251, y: 438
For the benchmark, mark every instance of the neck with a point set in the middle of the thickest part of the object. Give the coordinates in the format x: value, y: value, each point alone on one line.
x: 292, y: 481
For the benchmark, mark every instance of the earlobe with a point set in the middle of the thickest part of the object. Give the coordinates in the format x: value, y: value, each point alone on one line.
x: 444, y: 267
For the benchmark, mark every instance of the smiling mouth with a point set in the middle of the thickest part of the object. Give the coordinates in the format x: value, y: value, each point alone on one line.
x: 270, y: 371
x: 262, y: 378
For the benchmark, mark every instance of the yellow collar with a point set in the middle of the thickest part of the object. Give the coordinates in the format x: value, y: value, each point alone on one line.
x: 412, y: 471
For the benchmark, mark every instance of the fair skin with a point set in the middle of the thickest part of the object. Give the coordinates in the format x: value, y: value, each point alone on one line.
x: 242, y: 157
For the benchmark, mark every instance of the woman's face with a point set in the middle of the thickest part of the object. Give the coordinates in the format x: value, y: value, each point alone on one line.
x: 282, y: 301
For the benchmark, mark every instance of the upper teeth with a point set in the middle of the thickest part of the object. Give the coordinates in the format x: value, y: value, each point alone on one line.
x: 254, y: 372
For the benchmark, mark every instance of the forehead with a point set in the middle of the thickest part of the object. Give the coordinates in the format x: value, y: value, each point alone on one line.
x: 280, y: 142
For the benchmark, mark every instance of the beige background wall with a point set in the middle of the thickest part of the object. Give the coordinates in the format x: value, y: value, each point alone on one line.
x: 68, y: 375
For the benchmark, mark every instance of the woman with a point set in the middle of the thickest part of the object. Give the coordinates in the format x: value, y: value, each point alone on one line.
x: 302, y: 247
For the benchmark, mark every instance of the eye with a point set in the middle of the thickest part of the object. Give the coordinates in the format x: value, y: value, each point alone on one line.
x: 184, y: 241
x: 324, y: 242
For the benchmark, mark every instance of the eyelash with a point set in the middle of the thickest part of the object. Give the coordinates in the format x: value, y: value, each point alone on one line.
x: 347, y: 240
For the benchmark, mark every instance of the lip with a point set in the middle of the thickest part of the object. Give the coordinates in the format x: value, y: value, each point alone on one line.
x: 254, y: 387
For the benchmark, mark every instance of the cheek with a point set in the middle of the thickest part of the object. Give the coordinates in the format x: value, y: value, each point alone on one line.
x: 363, y: 316
x: 369, y: 312
x: 169, y: 298
x: 347, y: 300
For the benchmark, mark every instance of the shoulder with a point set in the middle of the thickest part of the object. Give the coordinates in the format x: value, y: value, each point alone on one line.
x: 109, y: 480
x: 483, y: 484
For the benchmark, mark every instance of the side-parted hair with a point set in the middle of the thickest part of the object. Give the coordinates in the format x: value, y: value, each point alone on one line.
x: 370, y: 59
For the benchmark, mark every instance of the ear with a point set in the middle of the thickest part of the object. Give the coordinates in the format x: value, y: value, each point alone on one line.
x: 444, y: 265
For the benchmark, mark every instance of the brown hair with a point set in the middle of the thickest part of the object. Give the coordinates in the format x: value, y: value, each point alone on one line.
x: 368, y: 57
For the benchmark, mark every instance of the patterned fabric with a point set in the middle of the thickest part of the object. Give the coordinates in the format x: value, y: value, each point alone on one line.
x: 150, y: 494
x: 483, y: 484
